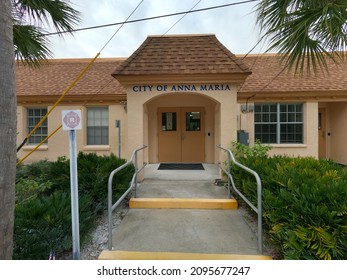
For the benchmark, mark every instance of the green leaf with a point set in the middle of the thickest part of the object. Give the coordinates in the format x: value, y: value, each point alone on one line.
x: 30, y: 17
x: 305, y: 33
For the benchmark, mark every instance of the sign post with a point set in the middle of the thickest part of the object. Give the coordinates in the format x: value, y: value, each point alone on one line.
x: 72, y: 122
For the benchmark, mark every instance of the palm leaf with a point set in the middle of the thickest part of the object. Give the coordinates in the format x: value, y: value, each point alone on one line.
x: 57, y: 12
x: 30, y: 17
x: 30, y: 46
x: 305, y: 32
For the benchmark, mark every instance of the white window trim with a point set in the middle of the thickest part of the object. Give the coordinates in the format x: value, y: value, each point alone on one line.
x: 31, y: 146
x: 93, y: 147
x: 96, y: 148
x: 278, y: 125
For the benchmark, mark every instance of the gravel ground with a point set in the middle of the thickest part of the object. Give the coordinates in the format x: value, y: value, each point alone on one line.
x: 99, y: 237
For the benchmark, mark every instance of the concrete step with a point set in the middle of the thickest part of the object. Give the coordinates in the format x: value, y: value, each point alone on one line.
x: 180, y: 189
x: 131, y: 255
x: 182, y: 203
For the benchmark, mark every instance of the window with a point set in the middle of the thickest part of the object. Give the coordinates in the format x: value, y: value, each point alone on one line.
x: 278, y: 123
x: 34, y: 115
x: 192, y: 121
x: 97, y: 126
x: 169, y: 121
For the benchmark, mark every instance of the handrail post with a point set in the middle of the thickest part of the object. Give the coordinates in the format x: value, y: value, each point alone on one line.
x: 257, y: 209
x: 229, y: 165
x: 110, y: 212
x: 135, y: 188
x: 260, y: 216
x: 110, y: 206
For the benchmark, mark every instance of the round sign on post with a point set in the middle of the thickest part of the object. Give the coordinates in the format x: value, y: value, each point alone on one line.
x: 72, y: 120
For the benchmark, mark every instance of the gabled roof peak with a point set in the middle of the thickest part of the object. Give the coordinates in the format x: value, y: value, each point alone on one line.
x: 181, y: 55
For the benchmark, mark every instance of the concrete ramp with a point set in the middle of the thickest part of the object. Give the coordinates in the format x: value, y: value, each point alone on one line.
x: 185, y: 231
x: 185, y: 216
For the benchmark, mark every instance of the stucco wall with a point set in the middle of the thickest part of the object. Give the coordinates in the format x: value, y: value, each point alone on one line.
x: 338, y: 132
x: 220, y: 116
x: 58, y: 144
x: 139, y: 124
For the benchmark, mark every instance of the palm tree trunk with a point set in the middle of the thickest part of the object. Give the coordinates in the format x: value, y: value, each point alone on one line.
x: 7, y: 131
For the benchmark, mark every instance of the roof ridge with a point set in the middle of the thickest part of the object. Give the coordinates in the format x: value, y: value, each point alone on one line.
x: 182, y: 35
x: 124, y: 64
x: 231, y: 55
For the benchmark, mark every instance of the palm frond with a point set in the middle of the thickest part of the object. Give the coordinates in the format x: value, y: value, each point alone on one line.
x: 305, y: 32
x: 30, y: 46
x: 56, y: 12
x: 30, y: 17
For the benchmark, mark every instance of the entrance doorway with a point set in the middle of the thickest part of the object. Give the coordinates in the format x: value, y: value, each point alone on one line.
x: 181, y: 134
x: 322, y: 140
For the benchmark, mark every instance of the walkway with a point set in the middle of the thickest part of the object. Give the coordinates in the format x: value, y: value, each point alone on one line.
x: 149, y: 231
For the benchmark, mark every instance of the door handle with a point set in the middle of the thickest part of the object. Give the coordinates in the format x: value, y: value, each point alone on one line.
x: 183, y: 137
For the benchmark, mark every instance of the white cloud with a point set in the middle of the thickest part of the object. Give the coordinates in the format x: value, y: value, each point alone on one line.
x: 234, y: 26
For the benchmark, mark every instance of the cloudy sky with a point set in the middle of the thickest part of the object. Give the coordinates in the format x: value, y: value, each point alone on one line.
x: 234, y: 26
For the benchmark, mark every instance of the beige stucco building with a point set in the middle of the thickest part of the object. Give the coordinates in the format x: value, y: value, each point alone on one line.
x: 181, y: 96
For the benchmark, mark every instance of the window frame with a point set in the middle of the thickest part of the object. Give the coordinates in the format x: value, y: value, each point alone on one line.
x: 294, y: 117
x: 37, y: 118
x: 102, y: 127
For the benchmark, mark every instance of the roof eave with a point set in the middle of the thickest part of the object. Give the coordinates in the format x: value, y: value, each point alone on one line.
x: 313, y: 96
x: 234, y: 78
x: 49, y: 99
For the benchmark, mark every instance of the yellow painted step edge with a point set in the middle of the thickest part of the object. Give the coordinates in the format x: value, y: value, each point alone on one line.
x: 133, y: 255
x: 183, y: 203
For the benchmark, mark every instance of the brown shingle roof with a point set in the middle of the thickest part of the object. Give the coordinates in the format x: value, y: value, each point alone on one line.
x: 268, y: 76
x: 53, y: 78
x: 178, y: 54
x: 181, y: 54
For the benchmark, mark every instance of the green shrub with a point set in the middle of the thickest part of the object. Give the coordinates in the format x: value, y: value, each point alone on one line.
x: 304, y: 202
x: 93, y: 177
x: 43, y: 224
x: 43, y: 204
x: 93, y: 173
x: 242, y: 151
x: 27, y: 189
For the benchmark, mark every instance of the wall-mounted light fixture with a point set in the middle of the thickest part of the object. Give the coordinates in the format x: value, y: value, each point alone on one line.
x: 247, y: 108
x: 125, y: 105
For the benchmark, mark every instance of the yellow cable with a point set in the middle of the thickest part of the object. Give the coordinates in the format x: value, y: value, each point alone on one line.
x: 37, y: 146
x: 63, y: 95
x: 43, y: 141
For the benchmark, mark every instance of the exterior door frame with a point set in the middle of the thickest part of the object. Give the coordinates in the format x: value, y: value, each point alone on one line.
x: 179, y: 139
x: 322, y: 133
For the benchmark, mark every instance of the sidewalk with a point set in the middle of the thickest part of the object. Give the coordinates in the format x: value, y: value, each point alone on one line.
x: 159, y: 233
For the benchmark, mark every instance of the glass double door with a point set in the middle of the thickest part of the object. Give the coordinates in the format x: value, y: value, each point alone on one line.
x: 181, y: 134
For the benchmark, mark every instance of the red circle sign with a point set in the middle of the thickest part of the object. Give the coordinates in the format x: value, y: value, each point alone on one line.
x: 72, y: 119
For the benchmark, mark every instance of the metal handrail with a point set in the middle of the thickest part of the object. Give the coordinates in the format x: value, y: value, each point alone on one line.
x: 257, y: 209
x: 111, y: 207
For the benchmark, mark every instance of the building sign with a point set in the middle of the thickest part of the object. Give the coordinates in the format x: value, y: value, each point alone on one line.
x: 181, y: 88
